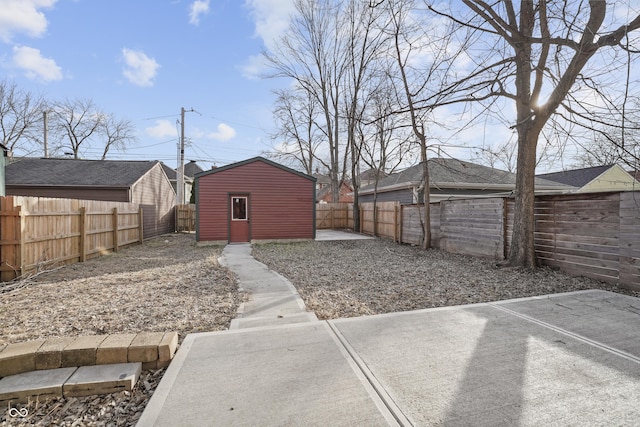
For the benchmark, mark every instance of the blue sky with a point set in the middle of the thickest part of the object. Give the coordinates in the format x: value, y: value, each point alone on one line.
x: 143, y: 60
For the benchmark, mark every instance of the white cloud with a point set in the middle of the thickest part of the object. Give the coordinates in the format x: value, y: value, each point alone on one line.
x: 271, y: 18
x: 254, y: 67
x: 23, y: 16
x: 139, y: 69
x: 224, y: 133
x: 35, y: 65
x: 198, y: 8
x: 162, y: 129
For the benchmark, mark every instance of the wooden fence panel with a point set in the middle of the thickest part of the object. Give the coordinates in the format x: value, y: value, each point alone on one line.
x: 185, y: 217
x: 333, y: 215
x: 473, y: 227
x: 411, y: 224
x: 10, y: 246
x: 579, y: 234
x: 56, y: 231
x: 387, y: 222
x: 630, y: 239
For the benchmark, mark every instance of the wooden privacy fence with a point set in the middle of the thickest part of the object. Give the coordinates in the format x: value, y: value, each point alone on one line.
x: 36, y: 233
x: 186, y: 217
x: 334, y: 216
x: 594, y: 235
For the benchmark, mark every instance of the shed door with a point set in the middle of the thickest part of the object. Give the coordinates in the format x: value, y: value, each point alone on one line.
x: 239, y: 223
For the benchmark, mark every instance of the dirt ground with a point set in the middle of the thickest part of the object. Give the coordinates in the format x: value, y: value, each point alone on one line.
x: 169, y: 284
x: 165, y: 284
x: 363, y: 277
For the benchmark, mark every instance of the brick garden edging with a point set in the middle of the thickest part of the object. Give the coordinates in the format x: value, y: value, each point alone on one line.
x: 153, y: 349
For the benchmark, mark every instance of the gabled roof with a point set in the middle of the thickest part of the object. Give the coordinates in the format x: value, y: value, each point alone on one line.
x: 576, y: 177
x: 253, y: 160
x: 171, y: 173
x: 458, y: 174
x: 72, y: 172
x: 192, y: 168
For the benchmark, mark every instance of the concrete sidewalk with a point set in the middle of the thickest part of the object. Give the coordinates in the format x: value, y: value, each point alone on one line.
x: 566, y: 359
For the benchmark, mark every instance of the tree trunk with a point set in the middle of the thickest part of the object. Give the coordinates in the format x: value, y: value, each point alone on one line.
x: 522, y: 253
x: 426, y: 223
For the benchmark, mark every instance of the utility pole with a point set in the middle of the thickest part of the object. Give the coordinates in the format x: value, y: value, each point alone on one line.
x: 46, y: 134
x: 180, y: 180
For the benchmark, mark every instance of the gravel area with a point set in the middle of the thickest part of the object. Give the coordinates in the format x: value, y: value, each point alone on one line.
x: 362, y: 277
x: 169, y: 284
x: 165, y: 284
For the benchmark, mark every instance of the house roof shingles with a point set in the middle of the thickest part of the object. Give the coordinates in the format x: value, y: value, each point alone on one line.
x: 72, y: 172
x: 454, y: 173
x: 576, y: 177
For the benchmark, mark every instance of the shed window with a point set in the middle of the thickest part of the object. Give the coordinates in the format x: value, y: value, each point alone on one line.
x: 239, y: 208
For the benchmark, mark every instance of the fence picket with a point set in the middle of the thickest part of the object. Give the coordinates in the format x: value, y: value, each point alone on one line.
x: 38, y: 232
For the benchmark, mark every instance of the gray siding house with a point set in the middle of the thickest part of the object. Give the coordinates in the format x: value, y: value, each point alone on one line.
x: 448, y: 179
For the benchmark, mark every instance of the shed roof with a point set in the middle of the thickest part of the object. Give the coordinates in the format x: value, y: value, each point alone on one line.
x: 454, y: 173
x: 576, y: 177
x: 253, y: 160
x: 73, y: 172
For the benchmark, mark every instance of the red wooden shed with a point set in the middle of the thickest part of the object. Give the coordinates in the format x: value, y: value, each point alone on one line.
x: 254, y: 200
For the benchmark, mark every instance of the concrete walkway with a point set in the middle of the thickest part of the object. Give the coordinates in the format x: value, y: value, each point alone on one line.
x: 273, y: 300
x: 565, y: 359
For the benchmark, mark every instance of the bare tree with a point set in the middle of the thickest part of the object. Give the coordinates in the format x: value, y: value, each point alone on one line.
x: 297, y: 136
x: 20, y: 118
x: 535, y: 56
x: 76, y: 121
x: 365, y: 43
x: 312, y: 53
x: 419, y: 83
x: 390, y: 142
x: 79, y: 126
x: 116, y: 133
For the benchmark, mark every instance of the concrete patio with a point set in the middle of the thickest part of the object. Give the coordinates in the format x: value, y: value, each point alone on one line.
x: 563, y: 359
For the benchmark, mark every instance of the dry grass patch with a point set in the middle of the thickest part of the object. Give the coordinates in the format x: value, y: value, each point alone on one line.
x: 362, y: 277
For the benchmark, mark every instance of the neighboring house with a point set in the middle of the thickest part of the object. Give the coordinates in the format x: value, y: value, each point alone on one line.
x: 593, y: 179
x: 254, y: 200
x: 4, y: 153
x: 450, y: 178
x: 368, y: 177
x: 345, y: 194
x: 142, y: 182
x: 190, y: 170
x: 323, y: 190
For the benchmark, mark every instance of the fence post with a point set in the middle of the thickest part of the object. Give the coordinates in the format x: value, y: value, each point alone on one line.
x: 140, y: 223
x: 361, y: 218
x: 401, y: 225
x: 83, y: 234
x: 395, y: 222
x: 375, y: 220
x: 505, y: 225
x: 114, y: 222
x: 331, y: 217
